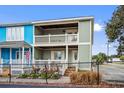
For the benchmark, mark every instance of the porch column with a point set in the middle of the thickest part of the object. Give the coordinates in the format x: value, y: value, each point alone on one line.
x: 29, y: 56
x: 65, y: 65
x: 23, y: 58
x: 10, y: 55
x: 66, y: 53
x: 33, y: 55
x: 19, y: 55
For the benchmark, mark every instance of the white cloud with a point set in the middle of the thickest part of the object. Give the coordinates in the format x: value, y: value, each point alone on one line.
x: 98, y: 27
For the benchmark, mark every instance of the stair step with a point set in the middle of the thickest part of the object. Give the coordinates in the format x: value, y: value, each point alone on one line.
x: 69, y: 70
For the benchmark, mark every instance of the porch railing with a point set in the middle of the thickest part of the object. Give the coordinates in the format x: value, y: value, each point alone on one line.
x: 15, y: 63
x: 52, y: 63
x: 53, y: 39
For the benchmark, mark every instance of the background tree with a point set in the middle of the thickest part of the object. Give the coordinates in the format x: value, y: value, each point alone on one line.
x: 122, y: 58
x: 101, y: 58
x: 115, y: 28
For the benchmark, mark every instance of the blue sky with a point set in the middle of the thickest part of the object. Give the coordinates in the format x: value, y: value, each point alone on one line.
x: 102, y: 14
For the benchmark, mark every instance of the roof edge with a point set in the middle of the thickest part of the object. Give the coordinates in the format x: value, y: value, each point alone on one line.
x: 49, y: 21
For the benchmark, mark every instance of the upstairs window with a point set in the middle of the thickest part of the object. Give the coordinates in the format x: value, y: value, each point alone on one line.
x: 15, y: 34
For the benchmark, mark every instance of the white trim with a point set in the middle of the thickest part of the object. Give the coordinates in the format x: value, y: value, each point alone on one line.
x: 33, y: 62
x: 33, y: 35
x: 50, y: 60
x: 62, y: 44
x: 15, y: 33
x: 78, y: 41
x: 90, y: 40
x: 61, y: 20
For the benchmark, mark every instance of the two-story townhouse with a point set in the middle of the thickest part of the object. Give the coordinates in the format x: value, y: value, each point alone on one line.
x: 66, y: 41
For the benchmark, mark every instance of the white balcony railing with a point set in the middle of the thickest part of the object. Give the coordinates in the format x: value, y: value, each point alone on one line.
x: 53, y: 39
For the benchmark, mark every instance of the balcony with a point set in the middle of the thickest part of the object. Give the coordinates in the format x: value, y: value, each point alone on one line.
x: 56, y: 39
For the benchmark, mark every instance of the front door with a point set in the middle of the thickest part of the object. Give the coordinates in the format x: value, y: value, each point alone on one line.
x: 74, y: 57
x: 25, y: 56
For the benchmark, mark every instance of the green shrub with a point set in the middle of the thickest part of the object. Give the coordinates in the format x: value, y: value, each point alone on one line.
x: 25, y: 75
x: 50, y: 75
x: 34, y: 75
x: 55, y: 75
x: 122, y: 58
x: 84, y: 78
x: 44, y: 76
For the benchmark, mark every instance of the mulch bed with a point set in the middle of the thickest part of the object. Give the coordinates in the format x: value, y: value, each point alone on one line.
x: 65, y: 85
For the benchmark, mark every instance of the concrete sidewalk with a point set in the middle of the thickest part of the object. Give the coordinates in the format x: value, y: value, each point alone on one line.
x: 15, y: 80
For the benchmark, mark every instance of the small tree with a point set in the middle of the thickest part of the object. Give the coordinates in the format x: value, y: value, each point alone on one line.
x: 122, y: 58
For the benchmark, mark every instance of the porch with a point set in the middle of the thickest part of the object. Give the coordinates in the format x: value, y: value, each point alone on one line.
x: 15, y: 53
x: 64, y: 56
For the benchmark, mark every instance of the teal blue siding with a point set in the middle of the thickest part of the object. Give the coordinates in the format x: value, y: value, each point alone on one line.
x: 2, y: 34
x: 14, y: 50
x: 5, y: 52
x: 28, y: 34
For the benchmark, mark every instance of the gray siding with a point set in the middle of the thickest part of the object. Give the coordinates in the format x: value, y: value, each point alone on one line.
x: 84, y: 50
x: 84, y: 53
x: 84, y: 31
x: 38, y: 54
x: 84, y: 56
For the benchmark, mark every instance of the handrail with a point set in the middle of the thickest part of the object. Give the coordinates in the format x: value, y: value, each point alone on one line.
x: 54, y: 35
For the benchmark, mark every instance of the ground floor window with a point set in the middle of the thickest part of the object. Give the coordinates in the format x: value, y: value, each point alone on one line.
x: 57, y: 55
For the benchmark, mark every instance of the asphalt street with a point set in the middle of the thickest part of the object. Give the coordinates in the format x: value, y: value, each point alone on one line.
x: 113, y: 72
